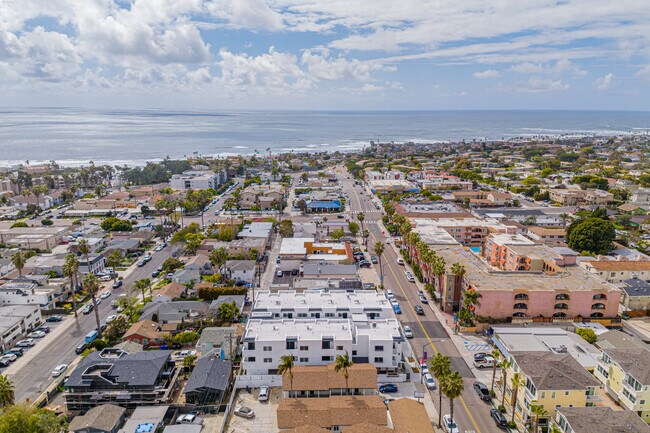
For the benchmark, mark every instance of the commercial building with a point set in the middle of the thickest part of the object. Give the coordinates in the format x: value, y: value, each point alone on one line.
x: 116, y: 377
x: 34, y: 238
x: 600, y: 419
x: 308, y: 249
x: 15, y: 320
x: 196, y: 180
x: 319, y: 341
x: 436, y: 209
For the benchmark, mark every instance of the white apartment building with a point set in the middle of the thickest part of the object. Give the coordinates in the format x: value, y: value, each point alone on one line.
x: 318, y: 342
x: 321, y: 304
x: 203, y: 179
x: 15, y: 320
x: 27, y: 293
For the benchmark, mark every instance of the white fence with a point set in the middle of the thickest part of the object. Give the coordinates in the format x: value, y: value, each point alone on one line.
x: 255, y: 381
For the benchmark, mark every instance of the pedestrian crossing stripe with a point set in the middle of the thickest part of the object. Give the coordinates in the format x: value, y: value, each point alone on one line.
x: 476, y: 347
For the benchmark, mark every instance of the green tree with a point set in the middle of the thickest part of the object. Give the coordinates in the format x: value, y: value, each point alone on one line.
x: 6, y: 391
x: 337, y: 234
x: 114, y: 260
x: 591, y: 235
x: 171, y: 264
x: 361, y: 217
x: 286, y: 228
x: 286, y: 366
x: 47, y: 222
x: 25, y: 418
x: 70, y: 269
x: 587, y: 334
x: 451, y: 385
x: 218, y: 258
x: 379, y: 251
x: 142, y: 284
x: 504, y: 365
x: 186, y: 337
x: 189, y: 361
x: 353, y: 228
x: 116, y: 329
x: 91, y: 286
x: 19, y: 260
x: 440, y: 367
x: 228, y: 311
x: 537, y: 411
x: 496, y: 355
x: 19, y: 224
x: 342, y: 365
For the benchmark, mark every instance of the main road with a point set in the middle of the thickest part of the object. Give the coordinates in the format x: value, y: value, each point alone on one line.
x: 470, y: 413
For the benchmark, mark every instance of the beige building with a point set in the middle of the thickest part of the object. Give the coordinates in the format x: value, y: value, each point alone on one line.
x: 263, y: 196
x: 35, y: 238
x: 617, y: 271
x: 607, y: 420
x: 546, y: 235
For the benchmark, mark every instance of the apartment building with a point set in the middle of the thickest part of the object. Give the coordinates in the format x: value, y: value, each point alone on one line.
x: 546, y: 235
x: 198, y: 179
x: 25, y: 292
x: 318, y: 342
x: 36, y: 238
x: 617, y: 271
x: 470, y: 232
x: 15, y: 320
x: 260, y: 195
x: 584, y: 420
x: 573, y: 197
x: 319, y: 304
x: 553, y: 380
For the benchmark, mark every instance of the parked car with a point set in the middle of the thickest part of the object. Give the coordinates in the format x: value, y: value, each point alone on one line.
x: 4, y: 362
x: 486, y: 362
x: 189, y: 418
x: 154, y: 274
x: 449, y: 424
x: 36, y: 334
x: 428, y: 381
x: 364, y: 264
x: 264, y: 393
x: 244, y: 412
x: 110, y: 318
x: 410, y: 277
x: 54, y: 319
x: 408, y: 333
x: 400, y: 261
x: 419, y: 310
x: 482, y: 391
x: 279, y: 273
x: 10, y: 356
x: 388, y: 388
x: 44, y: 328
x: 498, y: 418
x: 16, y: 351
x: 389, y: 294
x: 106, y: 295
x: 423, y: 299
x: 396, y: 308
x: 27, y: 342
x: 79, y: 349
x: 59, y: 369
x: 480, y: 356
x: 374, y: 259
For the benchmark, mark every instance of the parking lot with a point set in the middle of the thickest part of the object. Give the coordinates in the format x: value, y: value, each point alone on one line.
x: 265, y: 419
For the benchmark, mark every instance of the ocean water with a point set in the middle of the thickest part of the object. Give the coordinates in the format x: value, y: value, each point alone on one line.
x: 76, y: 136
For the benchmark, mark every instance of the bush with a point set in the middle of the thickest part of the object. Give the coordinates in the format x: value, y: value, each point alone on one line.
x: 171, y: 264
x: 112, y: 224
x: 97, y: 344
x: 511, y: 424
x: 502, y: 408
x: 587, y: 334
x: 47, y: 222
x: 19, y: 224
x: 212, y: 293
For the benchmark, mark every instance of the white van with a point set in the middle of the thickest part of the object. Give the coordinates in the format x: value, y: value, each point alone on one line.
x: 389, y: 294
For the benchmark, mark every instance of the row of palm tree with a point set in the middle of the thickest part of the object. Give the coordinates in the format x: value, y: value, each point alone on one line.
x: 342, y: 365
x: 451, y: 384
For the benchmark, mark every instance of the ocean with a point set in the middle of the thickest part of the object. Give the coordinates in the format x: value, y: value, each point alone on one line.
x: 76, y: 136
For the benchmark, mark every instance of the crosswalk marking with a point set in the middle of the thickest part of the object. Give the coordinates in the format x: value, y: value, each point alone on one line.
x: 476, y: 347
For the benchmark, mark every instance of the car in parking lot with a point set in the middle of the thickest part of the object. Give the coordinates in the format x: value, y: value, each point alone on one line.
x: 408, y: 333
x: 43, y: 328
x: 429, y: 381
x: 388, y: 388
x: 16, y: 351
x: 498, y: 418
x: 54, y: 319
x: 482, y: 391
x: 36, y: 334
x: 4, y: 362
x: 244, y: 412
x: 59, y: 369
x: 264, y: 393
x: 419, y: 310
x: 423, y: 299
x: 449, y: 424
x: 27, y: 342
x: 11, y: 357
x: 189, y: 418
x: 487, y: 362
x: 279, y: 273
x: 480, y: 356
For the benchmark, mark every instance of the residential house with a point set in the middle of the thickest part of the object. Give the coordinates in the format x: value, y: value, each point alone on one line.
x: 617, y: 271
x: 546, y: 235
x: 239, y: 301
x: 209, y: 381
x: 636, y: 295
x: 146, y: 419
x: 183, y: 276
x: 240, y: 270
x: 96, y: 264
x: 23, y: 291
x: 169, y: 292
x: 174, y: 312
x: 200, y: 262
x: 124, y: 246
x: 222, y: 341
x: 263, y: 196
x: 600, y: 419
x: 106, y: 418
x: 145, y: 332
x: 324, y: 381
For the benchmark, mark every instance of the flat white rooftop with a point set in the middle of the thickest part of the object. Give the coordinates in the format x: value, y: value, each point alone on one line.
x: 358, y: 299
x: 317, y: 329
x: 294, y: 246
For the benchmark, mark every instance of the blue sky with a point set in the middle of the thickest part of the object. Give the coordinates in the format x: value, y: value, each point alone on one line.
x: 335, y: 54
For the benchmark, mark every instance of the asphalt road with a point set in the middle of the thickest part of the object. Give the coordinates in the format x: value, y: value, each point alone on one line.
x: 470, y: 413
x: 34, y: 377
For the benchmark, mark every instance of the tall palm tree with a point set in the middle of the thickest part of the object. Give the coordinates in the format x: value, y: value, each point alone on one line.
x: 555, y: 429
x: 141, y: 285
x: 361, y: 217
x: 538, y: 411
x: 70, y: 269
x: 504, y: 365
x: 91, y: 286
x: 286, y: 366
x: 515, y: 382
x: 451, y: 385
x: 6, y: 391
x: 495, y: 355
x: 564, y: 217
x: 458, y: 271
x: 439, y: 269
x: 379, y: 251
x: 84, y: 249
x: 218, y: 258
x: 342, y: 364
x: 440, y: 367
x: 19, y: 260
x: 471, y: 298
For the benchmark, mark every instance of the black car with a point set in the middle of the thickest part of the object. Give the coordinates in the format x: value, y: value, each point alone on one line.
x: 499, y: 419
x: 482, y: 391
x: 374, y: 259
x: 88, y: 309
x: 419, y: 310
x: 154, y: 274
x: 54, y: 319
x: 16, y: 351
x: 44, y: 328
x: 117, y: 284
x: 79, y: 349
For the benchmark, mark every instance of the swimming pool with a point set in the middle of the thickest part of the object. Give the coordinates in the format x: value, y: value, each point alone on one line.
x: 477, y: 250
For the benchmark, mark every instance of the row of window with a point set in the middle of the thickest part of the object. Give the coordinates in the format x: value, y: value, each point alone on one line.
x: 560, y: 306
x: 560, y: 315
x: 378, y: 359
x: 560, y: 297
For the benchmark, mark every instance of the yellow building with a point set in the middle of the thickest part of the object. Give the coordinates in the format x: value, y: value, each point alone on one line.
x: 626, y: 375
x: 551, y: 379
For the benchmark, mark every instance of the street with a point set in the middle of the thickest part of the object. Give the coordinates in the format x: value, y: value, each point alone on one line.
x: 470, y: 412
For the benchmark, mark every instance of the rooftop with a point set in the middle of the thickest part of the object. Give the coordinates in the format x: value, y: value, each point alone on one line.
x: 104, y: 417
x: 634, y: 361
x: 583, y: 420
x: 318, y: 299
x: 331, y: 411
x: 324, y: 377
x: 636, y: 287
x: 554, y: 371
x: 209, y: 373
x: 316, y: 329
x: 620, y: 265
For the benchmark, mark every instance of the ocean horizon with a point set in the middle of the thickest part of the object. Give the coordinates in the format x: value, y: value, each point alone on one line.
x: 75, y: 136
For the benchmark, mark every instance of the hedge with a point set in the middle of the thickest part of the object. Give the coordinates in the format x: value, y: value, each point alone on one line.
x: 212, y: 293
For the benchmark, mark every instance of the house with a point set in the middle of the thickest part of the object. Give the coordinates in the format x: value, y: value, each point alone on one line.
x: 223, y: 340
x: 183, y: 276
x: 617, y: 271
x: 324, y: 381
x: 200, y: 262
x: 106, y: 418
x: 96, y: 264
x: 174, y: 312
x: 262, y: 196
x: 546, y: 235
x: 636, y: 295
x: 240, y: 270
x: 22, y: 291
x: 553, y: 380
x: 209, y: 381
x: 239, y: 301
x: 145, y: 332
x: 169, y: 292
x: 607, y: 420
x: 124, y: 246
x: 257, y: 230
x: 238, y: 247
x: 631, y: 209
x: 116, y: 377
x: 324, y: 206
x: 145, y: 419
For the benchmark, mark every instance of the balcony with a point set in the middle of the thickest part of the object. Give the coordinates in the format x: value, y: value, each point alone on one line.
x: 520, y: 306
x: 629, y: 387
x: 562, y: 297
x: 598, y: 306
x: 561, y: 306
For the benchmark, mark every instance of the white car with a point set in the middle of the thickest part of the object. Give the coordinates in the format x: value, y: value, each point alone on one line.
x: 27, y: 342
x: 189, y: 418
x: 389, y: 294
x: 159, y: 248
x: 428, y: 381
x: 185, y: 353
x: 408, y: 333
x: 106, y: 278
x: 58, y: 371
x: 105, y: 295
x: 264, y: 393
x: 400, y: 261
x: 449, y: 424
x: 110, y: 318
x: 37, y: 334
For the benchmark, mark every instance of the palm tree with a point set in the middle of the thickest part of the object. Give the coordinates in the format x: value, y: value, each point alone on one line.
x: 6, y: 392
x: 516, y: 381
x: 440, y: 367
x: 564, y: 217
x: 84, y: 249
x: 38, y: 191
x: 19, y: 260
x: 451, y: 385
x: 286, y: 366
x: 439, y: 269
x: 342, y: 364
x: 458, y: 271
x: 504, y: 365
x: 91, y: 286
x: 471, y: 299
x: 361, y: 217
x: 555, y: 429
x: 538, y: 411
x: 379, y: 251
x: 495, y: 355
x: 70, y: 269
x: 218, y: 258
x: 143, y: 284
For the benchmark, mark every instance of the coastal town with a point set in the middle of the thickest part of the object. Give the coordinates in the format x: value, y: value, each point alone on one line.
x: 457, y: 287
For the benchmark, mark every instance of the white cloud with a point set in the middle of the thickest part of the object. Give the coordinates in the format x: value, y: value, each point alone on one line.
x: 537, y: 85
x: 488, y: 73
x: 644, y: 72
x: 605, y: 83
x: 250, y: 14
x: 558, y: 68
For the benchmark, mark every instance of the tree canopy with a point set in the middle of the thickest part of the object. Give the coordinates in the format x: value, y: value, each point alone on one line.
x: 591, y: 235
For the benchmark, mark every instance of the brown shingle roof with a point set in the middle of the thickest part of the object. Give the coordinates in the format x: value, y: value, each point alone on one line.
x: 144, y: 328
x: 325, y: 412
x: 585, y: 420
x: 323, y: 377
x: 172, y: 290
x: 308, y: 429
x: 409, y: 416
x: 621, y: 265
x: 634, y: 361
x: 104, y: 417
x: 554, y: 371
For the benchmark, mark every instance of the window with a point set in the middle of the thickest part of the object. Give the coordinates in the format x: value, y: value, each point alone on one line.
x: 339, y: 347
x: 304, y: 359
x: 543, y: 394
x: 566, y: 393
x: 302, y: 315
x: 268, y: 360
x: 327, y: 358
x: 291, y: 345
x: 250, y: 359
x: 327, y: 344
x: 251, y: 346
x: 354, y: 353
x: 553, y: 394
x: 379, y: 348
x: 329, y: 314
x: 267, y: 348
x: 379, y: 360
x: 304, y: 348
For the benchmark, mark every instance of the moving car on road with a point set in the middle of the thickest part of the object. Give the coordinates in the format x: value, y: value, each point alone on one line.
x: 59, y: 369
x: 423, y: 299
x: 419, y: 310
x: 408, y: 333
x: 449, y: 424
x: 482, y: 391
